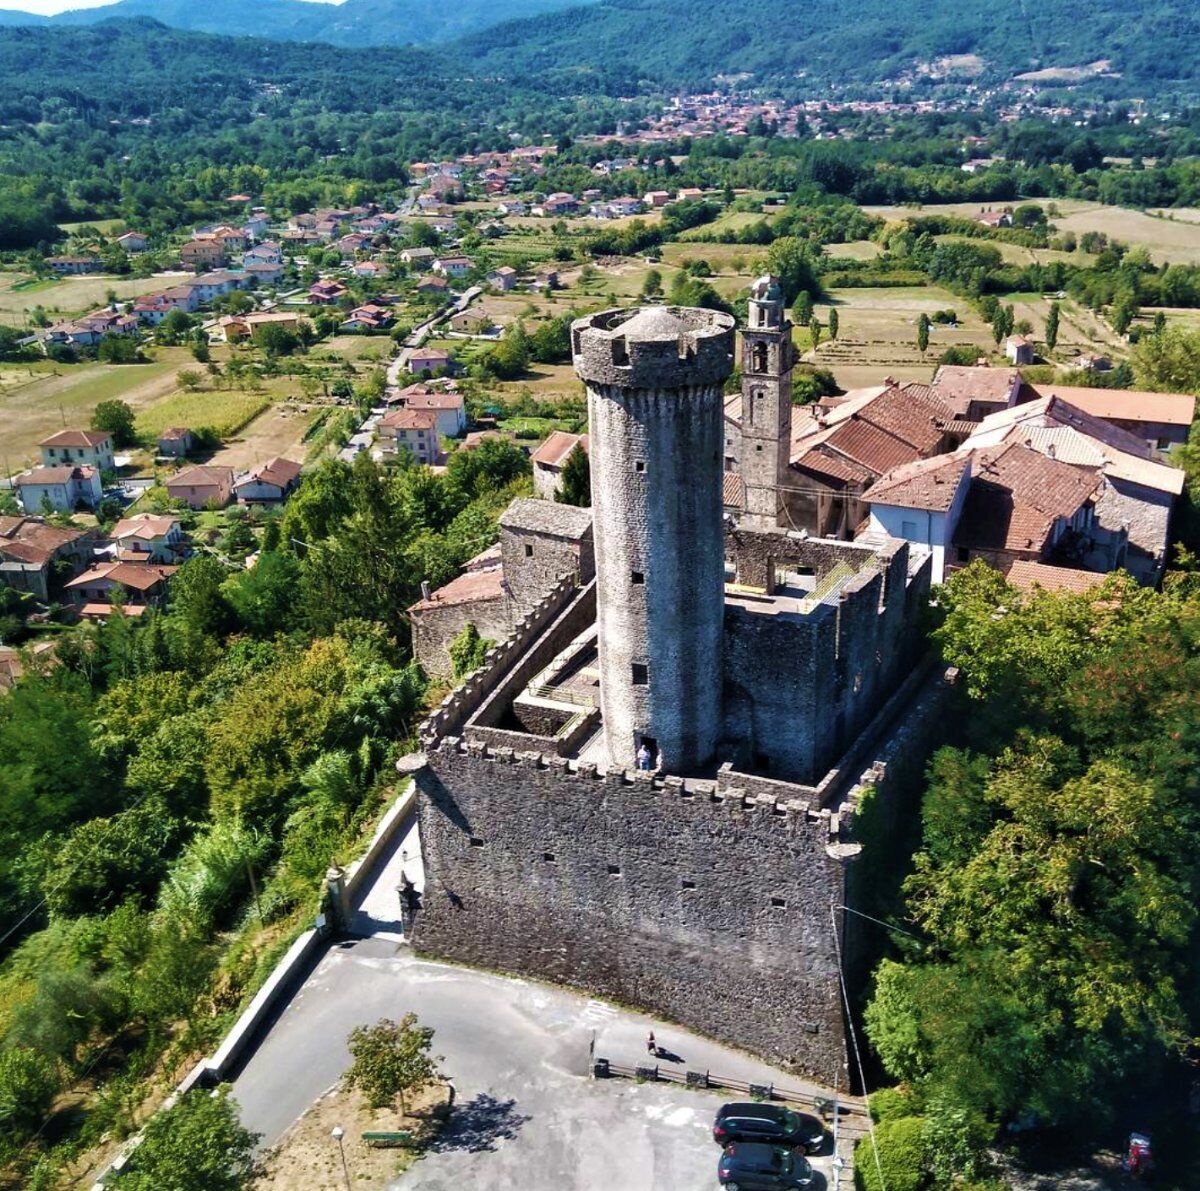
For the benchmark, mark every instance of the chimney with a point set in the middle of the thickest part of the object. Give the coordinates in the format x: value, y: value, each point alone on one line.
x: 425, y: 589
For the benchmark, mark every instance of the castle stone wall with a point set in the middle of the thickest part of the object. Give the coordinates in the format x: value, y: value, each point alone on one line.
x: 712, y: 911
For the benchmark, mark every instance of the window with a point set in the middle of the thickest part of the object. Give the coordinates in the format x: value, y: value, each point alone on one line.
x: 614, y: 870
x: 963, y: 554
x: 549, y: 857
x: 1163, y: 444
x: 908, y: 529
x: 637, y: 578
x: 639, y: 465
x: 528, y: 550
x: 779, y: 903
x: 686, y: 884
x: 476, y: 842
x: 641, y: 674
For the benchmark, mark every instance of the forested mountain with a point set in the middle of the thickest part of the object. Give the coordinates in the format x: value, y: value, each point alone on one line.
x: 615, y: 44
x: 689, y: 41
x: 352, y: 23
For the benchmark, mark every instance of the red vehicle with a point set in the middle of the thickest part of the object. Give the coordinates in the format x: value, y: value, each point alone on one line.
x: 1139, y: 1158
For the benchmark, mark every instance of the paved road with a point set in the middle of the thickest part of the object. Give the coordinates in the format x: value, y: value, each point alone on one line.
x: 527, y: 1114
x: 419, y: 333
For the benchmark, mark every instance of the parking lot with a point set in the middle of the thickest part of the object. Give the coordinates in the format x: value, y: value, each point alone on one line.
x: 527, y: 1113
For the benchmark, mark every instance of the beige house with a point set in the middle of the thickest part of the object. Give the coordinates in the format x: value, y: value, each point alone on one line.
x: 202, y: 487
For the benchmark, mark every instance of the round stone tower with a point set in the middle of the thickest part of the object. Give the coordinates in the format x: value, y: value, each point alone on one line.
x: 656, y: 422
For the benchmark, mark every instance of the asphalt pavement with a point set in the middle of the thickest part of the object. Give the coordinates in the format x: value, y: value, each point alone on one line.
x: 527, y: 1114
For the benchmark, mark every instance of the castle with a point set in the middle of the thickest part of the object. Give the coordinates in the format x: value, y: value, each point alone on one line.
x: 651, y: 788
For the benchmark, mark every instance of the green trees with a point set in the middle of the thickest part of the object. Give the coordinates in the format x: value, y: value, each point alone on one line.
x: 1168, y: 361
x: 576, y: 486
x: 117, y: 418
x: 391, y: 1059
x: 833, y: 323
x: 275, y: 339
x: 793, y: 262
x: 198, y: 1143
x: 1052, y: 320
x: 118, y: 349
x: 29, y: 1081
x: 1056, y: 890
x: 802, y: 308
x: 923, y: 333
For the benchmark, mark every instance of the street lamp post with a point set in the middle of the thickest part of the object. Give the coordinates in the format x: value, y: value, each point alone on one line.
x: 337, y: 1134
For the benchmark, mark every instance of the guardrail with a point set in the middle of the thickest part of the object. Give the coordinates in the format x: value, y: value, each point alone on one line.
x: 826, y: 1106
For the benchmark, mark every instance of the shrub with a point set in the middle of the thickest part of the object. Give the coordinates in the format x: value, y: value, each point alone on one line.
x: 893, y: 1159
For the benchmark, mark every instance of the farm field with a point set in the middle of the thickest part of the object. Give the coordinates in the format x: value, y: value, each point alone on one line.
x: 19, y: 294
x: 914, y: 210
x: 877, y: 335
x: 104, y: 226
x: 1016, y: 254
x: 367, y: 349
x: 730, y: 221
x: 37, y: 399
x: 278, y: 430
x: 1168, y: 240
x: 224, y: 410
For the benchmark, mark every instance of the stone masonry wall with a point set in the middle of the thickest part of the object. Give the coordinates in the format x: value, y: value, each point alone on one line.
x: 714, y: 912
x: 534, y: 562
x: 434, y: 629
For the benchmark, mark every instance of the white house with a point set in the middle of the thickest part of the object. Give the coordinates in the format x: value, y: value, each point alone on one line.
x: 148, y: 537
x: 448, y: 408
x: 87, y: 448
x: 453, y: 266
x: 270, y: 483
x: 921, y: 503
x: 63, y: 488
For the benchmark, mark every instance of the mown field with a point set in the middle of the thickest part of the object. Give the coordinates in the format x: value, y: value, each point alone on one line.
x: 20, y: 294
x: 37, y: 399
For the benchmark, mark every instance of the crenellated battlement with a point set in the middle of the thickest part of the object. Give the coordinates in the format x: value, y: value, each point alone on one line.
x: 713, y: 793
x: 466, y: 698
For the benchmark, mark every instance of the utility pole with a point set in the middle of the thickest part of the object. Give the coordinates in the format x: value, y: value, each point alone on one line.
x: 254, y: 890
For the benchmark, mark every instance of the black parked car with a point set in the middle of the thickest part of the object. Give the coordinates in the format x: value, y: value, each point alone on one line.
x: 756, y: 1166
x: 773, y: 1123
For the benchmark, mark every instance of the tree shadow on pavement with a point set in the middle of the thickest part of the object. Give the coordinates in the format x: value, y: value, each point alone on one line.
x: 479, y: 1124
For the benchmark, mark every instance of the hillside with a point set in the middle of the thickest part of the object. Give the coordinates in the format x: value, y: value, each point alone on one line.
x: 686, y: 42
x: 352, y: 23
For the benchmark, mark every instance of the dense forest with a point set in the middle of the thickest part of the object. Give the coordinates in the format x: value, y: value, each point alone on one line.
x: 685, y: 42
x: 350, y: 23
x: 1044, y: 977
x: 173, y: 787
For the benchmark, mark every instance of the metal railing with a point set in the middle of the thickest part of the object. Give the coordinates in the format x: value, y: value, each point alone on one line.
x: 827, y: 1106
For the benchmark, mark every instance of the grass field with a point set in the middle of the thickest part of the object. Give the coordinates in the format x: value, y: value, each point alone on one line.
x: 104, y: 226
x: 856, y: 250
x: 36, y: 400
x: 1016, y: 254
x: 877, y: 334
x: 70, y: 295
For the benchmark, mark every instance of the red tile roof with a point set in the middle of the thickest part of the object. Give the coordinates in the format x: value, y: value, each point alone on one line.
x: 554, y: 451
x: 1122, y: 405
x: 1027, y: 574
x: 1016, y: 495
x: 924, y: 484
x: 77, y: 438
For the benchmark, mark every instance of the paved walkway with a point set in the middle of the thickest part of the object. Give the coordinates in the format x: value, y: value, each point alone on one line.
x: 377, y: 912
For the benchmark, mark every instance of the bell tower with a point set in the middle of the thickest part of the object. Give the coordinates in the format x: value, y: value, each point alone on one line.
x: 768, y: 356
